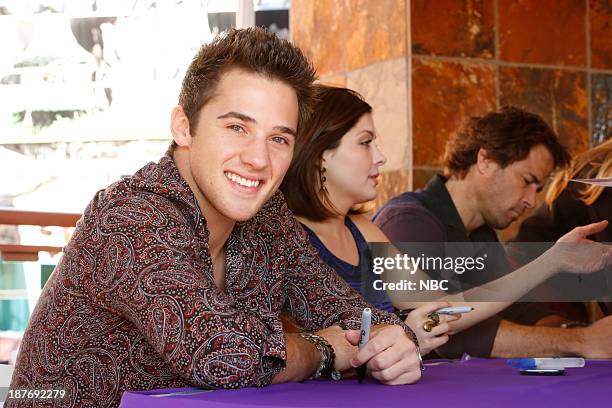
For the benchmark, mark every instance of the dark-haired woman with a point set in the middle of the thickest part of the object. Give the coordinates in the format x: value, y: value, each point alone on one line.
x: 333, y: 172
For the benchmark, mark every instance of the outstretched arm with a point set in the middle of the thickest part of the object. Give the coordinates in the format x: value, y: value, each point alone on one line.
x: 573, y: 252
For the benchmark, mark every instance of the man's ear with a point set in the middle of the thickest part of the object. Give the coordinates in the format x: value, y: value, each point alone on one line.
x: 179, y: 126
x: 483, y: 162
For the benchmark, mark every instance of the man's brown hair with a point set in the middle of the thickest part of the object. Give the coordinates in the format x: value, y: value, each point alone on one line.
x: 507, y: 136
x: 254, y: 50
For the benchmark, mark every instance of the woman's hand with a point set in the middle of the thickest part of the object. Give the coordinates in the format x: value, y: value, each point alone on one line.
x: 419, y: 321
x: 575, y: 253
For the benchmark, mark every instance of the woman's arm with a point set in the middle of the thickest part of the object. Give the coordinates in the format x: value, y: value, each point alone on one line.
x: 568, y: 254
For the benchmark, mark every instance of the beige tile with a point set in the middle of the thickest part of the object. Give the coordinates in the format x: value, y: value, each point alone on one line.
x: 383, y: 85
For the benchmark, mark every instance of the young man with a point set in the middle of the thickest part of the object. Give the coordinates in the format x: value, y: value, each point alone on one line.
x: 176, y: 276
x: 494, y: 168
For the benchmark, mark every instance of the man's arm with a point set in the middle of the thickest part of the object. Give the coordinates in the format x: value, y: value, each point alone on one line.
x: 149, y: 267
x: 400, y: 223
x: 515, y: 340
x: 302, y: 360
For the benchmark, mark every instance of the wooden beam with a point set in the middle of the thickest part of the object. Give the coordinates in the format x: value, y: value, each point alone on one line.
x: 12, y: 216
x: 25, y: 253
x: 19, y: 257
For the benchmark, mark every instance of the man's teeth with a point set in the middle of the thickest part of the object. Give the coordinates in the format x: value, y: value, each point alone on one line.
x: 241, y: 180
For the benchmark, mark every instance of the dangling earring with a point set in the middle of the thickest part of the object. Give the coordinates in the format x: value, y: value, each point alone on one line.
x: 323, y: 179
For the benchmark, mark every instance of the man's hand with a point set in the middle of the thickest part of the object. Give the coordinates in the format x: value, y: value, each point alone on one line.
x: 596, y: 340
x: 574, y: 252
x: 390, y: 355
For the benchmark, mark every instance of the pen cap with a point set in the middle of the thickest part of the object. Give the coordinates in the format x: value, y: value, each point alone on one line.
x: 522, y: 363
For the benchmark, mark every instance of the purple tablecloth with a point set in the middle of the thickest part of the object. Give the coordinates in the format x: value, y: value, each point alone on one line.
x: 475, y: 383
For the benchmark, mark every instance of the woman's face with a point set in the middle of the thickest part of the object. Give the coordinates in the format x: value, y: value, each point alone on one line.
x: 352, y: 168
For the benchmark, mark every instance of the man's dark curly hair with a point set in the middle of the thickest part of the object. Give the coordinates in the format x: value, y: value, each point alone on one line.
x: 507, y: 136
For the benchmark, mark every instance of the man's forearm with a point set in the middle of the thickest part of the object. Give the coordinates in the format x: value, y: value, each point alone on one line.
x: 302, y: 360
x: 515, y: 340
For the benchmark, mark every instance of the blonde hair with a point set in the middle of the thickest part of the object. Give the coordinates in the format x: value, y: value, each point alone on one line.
x: 594, y: 163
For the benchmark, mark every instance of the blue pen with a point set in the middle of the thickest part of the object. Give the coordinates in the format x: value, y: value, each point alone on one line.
x: 546, y: 363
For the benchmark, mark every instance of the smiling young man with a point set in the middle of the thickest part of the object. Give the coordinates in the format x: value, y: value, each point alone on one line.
x: 176, y: 276
x: 494, y: 167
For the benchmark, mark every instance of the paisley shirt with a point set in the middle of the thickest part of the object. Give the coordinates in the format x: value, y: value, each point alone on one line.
x: 132, y: 305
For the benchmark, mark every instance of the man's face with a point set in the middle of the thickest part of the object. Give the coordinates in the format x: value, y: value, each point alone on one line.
x: 505, y: 194
x: 242, y: 145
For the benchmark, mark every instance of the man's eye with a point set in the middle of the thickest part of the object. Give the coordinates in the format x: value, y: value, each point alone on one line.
x: 280, y: 140
x: 237, y: 128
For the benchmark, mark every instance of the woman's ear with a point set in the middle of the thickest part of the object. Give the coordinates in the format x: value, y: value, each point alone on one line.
x: 179, y: 126
x: 325, y: 156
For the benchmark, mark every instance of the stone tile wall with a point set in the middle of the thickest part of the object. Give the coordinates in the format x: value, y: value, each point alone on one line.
x: 552, y: 57
x: 369, y: 56
x: 465, y: 57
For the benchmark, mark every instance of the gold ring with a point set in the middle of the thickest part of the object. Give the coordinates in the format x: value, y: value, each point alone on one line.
x: 435, y: 317
x: 429, y: 325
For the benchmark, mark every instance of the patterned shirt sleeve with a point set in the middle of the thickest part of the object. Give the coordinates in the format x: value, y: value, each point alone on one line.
x: 149, y: 267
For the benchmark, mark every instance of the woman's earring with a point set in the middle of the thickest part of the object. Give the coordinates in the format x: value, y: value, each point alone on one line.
x: 323, y: 179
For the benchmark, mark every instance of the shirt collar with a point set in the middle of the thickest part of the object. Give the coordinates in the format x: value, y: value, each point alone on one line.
x: 442, y: 204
